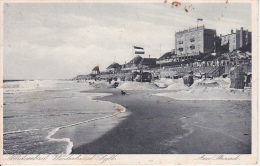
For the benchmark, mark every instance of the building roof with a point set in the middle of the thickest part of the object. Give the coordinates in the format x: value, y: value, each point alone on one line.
x: 193, y: 29
x: 148, y: 61
x: 136, y: 60
x: 96, y: 68
x: 167, y: 55
x: 113, y: 66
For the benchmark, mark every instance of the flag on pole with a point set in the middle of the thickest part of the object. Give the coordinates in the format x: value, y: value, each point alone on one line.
x: 139, y: 50
x: 135, y: 47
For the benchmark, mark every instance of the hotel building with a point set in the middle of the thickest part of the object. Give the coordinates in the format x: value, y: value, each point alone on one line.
x: 192, y: 42
x: 236, y: 39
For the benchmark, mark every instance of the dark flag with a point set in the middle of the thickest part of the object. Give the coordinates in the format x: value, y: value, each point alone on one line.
x: 200, y: 19
x: 135, y: 47
x: 139, y: 50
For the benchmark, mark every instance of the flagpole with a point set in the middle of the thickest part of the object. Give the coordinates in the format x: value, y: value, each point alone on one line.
x: 160, y: 57
x: 198, y: 19
x: 133, y: 51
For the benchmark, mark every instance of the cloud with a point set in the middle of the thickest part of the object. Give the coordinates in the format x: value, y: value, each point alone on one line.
x: 62, y: 40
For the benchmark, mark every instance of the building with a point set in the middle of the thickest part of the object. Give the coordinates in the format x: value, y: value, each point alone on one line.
x: 113, y: 67
x: 95, y: 71
x: 191, y: 42
x: 147, y: 63
x: 168, y: 57
x: 139, y: 62
x: 134, y: 62
x: 225, y: 39
x: 236, y: 40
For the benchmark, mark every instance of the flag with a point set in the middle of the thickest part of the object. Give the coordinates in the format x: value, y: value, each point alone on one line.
x: 139, y: 50
x: 135, y: 47
x: 200, y: 19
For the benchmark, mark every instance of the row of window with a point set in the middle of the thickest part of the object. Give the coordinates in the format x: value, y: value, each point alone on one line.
x: 191, y: 40
x: 192, y: 47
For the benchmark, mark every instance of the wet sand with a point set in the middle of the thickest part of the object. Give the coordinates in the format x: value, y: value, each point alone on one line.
x: 161, y: 125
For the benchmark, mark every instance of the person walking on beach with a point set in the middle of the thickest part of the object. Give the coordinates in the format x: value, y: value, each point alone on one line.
x: 109, y: 80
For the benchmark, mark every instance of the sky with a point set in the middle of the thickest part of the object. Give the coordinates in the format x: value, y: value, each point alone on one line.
x: 61, y: 41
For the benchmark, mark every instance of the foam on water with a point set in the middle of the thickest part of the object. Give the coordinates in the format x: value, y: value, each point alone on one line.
x: 54, y: 131
x: 70, y: 144
x: 43, y: 101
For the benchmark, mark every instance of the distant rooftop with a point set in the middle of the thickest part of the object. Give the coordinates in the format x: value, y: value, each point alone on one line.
x: 113, y: 65
x: 167, y: 55
x: 148, y: 61
x: 136, y: 60
x: 96, y: 68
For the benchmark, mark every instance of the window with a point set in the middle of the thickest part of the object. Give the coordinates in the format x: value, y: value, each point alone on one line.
x: 180, y: 49
x: 192, y: 47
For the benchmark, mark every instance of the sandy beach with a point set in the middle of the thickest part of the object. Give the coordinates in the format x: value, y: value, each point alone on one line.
x: 162, y: 125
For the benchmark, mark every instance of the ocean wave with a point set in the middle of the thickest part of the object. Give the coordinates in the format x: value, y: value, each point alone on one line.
x: 61, y: 114
x: 70, y: 143
x: 50, y: 131
x: 70, y: 125
x: 92, y: 96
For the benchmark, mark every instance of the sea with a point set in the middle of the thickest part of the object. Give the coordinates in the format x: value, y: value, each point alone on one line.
x: 53, y: 116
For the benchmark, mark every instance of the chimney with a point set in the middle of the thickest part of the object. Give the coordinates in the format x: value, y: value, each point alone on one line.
x: 149, y: 56
x: 241, y: 28
x: 231, y: 31
x: 220, y: 35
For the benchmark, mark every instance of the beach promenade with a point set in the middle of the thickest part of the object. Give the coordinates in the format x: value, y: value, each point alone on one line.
x: 161, y: 125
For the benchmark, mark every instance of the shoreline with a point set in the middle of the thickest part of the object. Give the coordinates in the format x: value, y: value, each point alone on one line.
x: 155, y: 126
x: 124, y: 125
x: 65, y: 132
